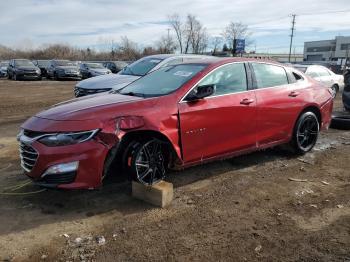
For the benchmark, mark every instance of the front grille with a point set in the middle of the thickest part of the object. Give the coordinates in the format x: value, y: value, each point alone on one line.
x: 28, y: 156
x: 65, y: 178
x: 83, y: 92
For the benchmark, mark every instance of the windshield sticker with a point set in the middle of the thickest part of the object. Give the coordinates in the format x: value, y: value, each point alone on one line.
x: 183, y: 73
x: 155, y: 61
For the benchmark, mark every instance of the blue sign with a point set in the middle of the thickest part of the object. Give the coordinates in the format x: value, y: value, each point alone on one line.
x: 240, y: 45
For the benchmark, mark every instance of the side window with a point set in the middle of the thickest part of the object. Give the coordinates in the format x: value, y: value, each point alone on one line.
x: 312, y: 72
x: 269, y: 75
x: 298, y: 77
x: 228, y: 79
x: 322, y: 71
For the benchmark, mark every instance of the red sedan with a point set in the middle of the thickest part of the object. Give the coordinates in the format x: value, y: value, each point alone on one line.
x: 177, y: 116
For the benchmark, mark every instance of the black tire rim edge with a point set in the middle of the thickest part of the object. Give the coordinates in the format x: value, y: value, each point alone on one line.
x: 307, y: 133
x: 149, y: 163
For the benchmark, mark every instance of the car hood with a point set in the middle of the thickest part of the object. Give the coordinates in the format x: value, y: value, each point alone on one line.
x: 27, y: 68
x: 114, y: 81
x: 67, y: 67
x: 99, y: 70
x: 3, y: 68
x: 86, y: 108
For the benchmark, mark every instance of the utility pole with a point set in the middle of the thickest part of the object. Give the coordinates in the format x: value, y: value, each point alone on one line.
x: 291, y: 36
x: 168, y: 32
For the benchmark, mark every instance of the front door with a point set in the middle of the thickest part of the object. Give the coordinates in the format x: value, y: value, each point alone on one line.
x: 223, y: 122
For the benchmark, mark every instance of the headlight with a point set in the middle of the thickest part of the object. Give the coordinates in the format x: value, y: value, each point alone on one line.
x: 64, y: 139
x: 38, y: 71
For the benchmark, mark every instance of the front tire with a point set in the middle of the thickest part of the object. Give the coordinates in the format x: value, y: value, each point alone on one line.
x: 145, y: 162
x: 305, y: 133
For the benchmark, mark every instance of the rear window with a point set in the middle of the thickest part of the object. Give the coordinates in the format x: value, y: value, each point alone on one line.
x: 141, y: 67
x: 269, y: 75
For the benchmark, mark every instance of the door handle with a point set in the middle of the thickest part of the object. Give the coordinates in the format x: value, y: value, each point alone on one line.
x: 246, y: 101
x: 293, y: 94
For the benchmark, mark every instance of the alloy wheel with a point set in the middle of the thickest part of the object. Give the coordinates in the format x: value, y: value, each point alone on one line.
x: 307, y: 133
x: 149, y: 163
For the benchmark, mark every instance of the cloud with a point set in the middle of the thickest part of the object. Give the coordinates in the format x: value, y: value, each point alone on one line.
x: 83, y: 22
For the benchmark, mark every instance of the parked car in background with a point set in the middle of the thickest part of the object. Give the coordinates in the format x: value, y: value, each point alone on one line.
x: 115, y: 66
x: 235, y: 105
x: 63, y: 69
x: 23, y: 69
x: 346, y: 92
x: 88, y: 70
x: 323, y: 75
x: 130, y: 73
x: 42, y: 64
x: 3, y: 68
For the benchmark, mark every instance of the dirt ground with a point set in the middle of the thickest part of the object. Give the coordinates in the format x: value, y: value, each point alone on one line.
x: 243, y: 209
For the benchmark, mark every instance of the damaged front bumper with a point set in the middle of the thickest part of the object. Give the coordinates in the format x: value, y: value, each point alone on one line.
x: 75, y: 166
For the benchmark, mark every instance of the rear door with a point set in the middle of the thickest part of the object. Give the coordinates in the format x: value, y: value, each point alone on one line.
x: 223, y: 122
x: 279, y: 101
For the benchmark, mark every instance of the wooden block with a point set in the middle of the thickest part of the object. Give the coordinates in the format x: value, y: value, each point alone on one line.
x: 159, y: 195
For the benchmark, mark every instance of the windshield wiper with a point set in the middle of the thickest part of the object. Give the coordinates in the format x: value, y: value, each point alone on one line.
x: 132, y: 94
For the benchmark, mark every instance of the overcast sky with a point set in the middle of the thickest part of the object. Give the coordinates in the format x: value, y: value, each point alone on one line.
x: 91, y: 23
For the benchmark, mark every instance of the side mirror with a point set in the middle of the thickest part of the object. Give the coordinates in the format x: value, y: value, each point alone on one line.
x: 201, y: 92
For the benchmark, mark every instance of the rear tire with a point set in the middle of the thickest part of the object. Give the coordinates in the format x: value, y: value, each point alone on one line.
x: 305, y: 133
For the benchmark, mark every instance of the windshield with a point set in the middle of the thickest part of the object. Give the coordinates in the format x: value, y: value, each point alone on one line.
x: 43, y: 63
x: 65, y: 63
x: 23, y: 63
x: 162, y: 81
x: 141, y: 67
x: 94, y: 65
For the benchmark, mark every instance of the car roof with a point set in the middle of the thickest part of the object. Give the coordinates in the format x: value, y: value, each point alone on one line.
x: 165, y: 56
x: 224, y: 60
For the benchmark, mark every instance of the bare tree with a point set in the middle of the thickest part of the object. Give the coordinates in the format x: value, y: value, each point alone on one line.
x: 128, y: 49
x: 191, y: 35
x: 178, y: 27
x: 216, y: 41
x: 235, y: 31
x: 166, y: 44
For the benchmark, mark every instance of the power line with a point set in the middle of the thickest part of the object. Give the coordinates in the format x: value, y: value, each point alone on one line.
x: 325, y: 12
x: 291, y: 37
